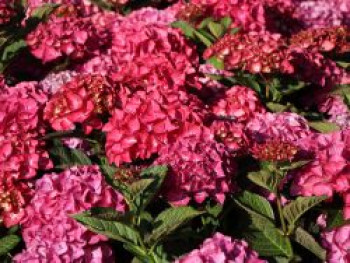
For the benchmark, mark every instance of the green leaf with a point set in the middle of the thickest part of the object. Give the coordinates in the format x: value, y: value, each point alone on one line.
x: 102, y: 4
x: 226, y: 22
x: 306, y: 240
x: 270, y: 242
x: 266, y: 180
x: 159, y: 170
x: 79, y: 157
x: 186, y: 28
x: 256, y: 203
x: 335, y: 219
x: 205, y: 22
x: 258, y: 221
x: 8, y: 243
x: 234, y: 31
x: 203, y: 38
x: 13, y: 49
x: 169, y: 220
x: 294, y: 165
x: 113, y: 229
x: 295, y: 209
x: 216, y: 29
x: 43, y: 12
x: 216, y: 62
x: 105, y: 213
x: 323, y: 126
x: 276, y: 107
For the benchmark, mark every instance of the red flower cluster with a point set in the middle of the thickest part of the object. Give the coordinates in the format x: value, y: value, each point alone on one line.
x: 79, y: 101
x: 199, y: 168
x: 72, y: 37
x: 328, y: 173
x: 253, y: 52
x: 323, y: 39
x: 21, y: 153
x: 6, y: 13
x: 148, y: 122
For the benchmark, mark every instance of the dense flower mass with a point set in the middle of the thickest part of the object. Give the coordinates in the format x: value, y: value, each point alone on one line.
x: 163, y: 121
x: 220, y: 249
x: 253, y: 52
x: 79, y: 101
x: 149, y: 122
x: 50, y: 234
x: 238, y: 103
x: 327, y: 174
x: 337, y: 244
x: 200, y: 168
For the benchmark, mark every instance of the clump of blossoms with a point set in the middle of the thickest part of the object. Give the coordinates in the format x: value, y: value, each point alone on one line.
x: 288, y: 127
x: 6, y: 13
x: 323, y: 39
x: 80, y: 101
x: 327, y: 174
x: 274, y: 150
x: 246, y: 14
x: 337, y: 244
x: 68, y: 37
x: 337, y: 111
x: 148, y: 53
x: 148, y: 122
x: 220, y: 249
x: 238, y: 103
x: 49, y: 232
x: 253, y: 52
x: 199, y: 168
x: 322, y: 13
x: 21, y: 125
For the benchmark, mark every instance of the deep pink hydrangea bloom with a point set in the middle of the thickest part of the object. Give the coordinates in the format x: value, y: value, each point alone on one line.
x: 313, y: 67
x: 328, y: 173
x: 79, y: 101
x: 254, y: 52
x: 221, y: 249
x: 49, y: 232
x: 289, y: 127
x: 21, y: 153
x: 149, y: 121
x: 13, y: 197
x: 337, y: 244
x: 231, y: 134
x: 238, y: 103
x: 6, y: 12
x: 323, y: 13
x: 247, y: 14
x: 148, y: 53
x: 199, y: 168
x: 72, y: 37
x: 336, y: 109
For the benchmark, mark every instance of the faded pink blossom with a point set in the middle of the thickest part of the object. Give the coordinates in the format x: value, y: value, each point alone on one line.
x: 221, y: 249
x: 337, y: 244
x: 200, y: 168
x: 49, y: 232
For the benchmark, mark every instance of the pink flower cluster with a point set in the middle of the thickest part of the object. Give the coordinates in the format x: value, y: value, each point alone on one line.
x: 49, y: 232
x: 6, y: 12
x: 322, y: 13
x: 328, y: 173
x: 337, y: 243
x: 79, y: 101
x: 149, y: 122
x: 221, y: 249
x: 70, y: 37
x: 21, y: 151
x: 200, y: 168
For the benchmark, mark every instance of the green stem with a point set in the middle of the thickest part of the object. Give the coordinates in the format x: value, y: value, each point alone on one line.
x: 279, y: 207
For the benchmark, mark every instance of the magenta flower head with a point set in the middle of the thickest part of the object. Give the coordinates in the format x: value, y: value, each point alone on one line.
x: 222, y: 249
